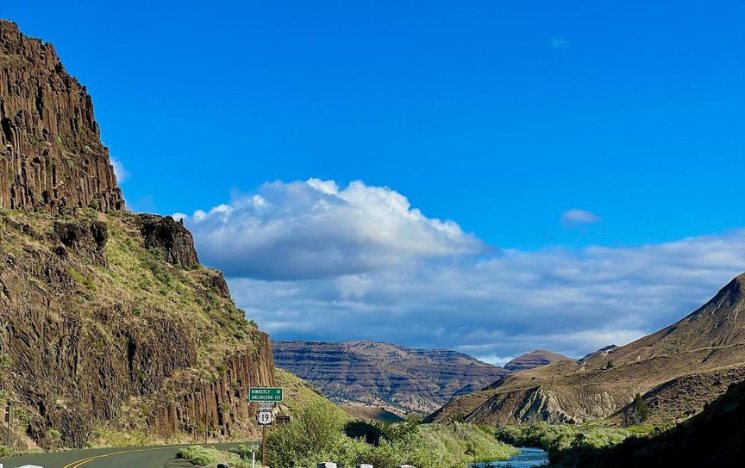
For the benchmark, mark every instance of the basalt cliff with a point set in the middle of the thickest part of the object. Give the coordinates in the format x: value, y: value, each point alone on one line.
x: 51, y: 156
x: 109, y: 326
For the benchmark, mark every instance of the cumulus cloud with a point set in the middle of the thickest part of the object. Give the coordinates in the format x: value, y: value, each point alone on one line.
x: 576, y: 216
x: 119, y: 171
x: 311, y: 260
x: 305, y: 230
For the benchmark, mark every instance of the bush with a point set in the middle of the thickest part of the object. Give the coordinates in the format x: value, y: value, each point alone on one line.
x: 563, y: 442
x: 318, y: 434
x: 206, y: 456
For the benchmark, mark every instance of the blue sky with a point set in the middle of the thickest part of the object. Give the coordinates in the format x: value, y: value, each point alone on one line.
x: 535, y: 127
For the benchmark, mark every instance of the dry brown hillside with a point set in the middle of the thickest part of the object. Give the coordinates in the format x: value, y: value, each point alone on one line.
x: 677, y: 370
x: 533, y: 359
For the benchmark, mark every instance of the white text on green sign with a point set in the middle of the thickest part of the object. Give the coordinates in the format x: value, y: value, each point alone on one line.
x: 265, y: 394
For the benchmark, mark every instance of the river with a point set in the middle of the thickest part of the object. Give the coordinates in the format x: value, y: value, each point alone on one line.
x: 527, y: 458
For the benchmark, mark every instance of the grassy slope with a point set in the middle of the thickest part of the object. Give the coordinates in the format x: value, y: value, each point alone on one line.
x: 133, y: 290
x: 299, y: 395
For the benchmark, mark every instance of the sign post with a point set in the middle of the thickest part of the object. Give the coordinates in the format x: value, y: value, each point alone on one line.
x: 265, y: 397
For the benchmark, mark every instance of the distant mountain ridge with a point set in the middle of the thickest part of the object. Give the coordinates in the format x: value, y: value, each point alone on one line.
x: 394, y: 377
x: 533, y: 359
x: 677, y: 370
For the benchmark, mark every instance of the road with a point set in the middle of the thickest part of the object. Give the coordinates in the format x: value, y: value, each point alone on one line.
x: 162, y: 456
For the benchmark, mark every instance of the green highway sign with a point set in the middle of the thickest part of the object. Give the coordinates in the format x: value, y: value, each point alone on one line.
x: 258, y: 394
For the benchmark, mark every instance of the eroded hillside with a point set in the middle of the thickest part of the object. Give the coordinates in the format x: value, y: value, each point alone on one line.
x: 677, y: 370
x: 394, y: 377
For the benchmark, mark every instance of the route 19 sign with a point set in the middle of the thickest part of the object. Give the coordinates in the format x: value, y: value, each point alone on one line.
x: 264, y: 417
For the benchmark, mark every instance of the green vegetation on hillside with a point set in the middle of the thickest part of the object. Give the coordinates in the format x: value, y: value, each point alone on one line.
x: 561, y: 439
x: 299, y: 394
x: 715, y: 437
x: 107, y: 320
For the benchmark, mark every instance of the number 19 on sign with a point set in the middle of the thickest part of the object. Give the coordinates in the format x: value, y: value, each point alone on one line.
x: 264, y: 417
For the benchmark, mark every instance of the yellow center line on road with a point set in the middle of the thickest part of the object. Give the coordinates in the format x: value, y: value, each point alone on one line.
x: 83, y: 461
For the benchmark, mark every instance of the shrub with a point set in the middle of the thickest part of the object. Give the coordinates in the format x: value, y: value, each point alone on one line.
x: 639, y: 410
x: 318, y: 434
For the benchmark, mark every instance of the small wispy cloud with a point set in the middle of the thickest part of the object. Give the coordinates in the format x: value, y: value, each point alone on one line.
x: 119, y: 171
x: 577, y: 216
x: 559, y: 43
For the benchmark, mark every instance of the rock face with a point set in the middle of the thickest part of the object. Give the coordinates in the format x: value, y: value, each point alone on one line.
x: 393, y: 377
x: 98, y: 331
x: 107, y: 321
x: 51, y: 155
x: 677, y: 370
x: 537, y: 358
x: 171, y: 237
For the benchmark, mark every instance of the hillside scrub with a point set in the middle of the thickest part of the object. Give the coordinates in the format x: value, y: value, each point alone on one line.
x: 715, y: 437
x: 555, y: 438
x: 316, y: 434
x: 300, y: 394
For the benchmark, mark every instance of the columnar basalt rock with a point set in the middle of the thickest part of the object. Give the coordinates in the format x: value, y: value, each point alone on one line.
x: 106, y: 321
x: 222, y: 405
x: 51, y: 155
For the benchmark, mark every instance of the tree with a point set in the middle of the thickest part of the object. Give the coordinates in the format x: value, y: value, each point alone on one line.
x: 639, y: 410
x: 609, y: 365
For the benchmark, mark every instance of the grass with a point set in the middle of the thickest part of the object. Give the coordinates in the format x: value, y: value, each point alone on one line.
x: 300, y: 394
x: 209, y: 456
x: 555, y: 437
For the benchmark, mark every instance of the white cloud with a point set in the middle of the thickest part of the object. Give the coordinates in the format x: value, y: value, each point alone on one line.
x: 311, y: 260
x: 314, y: 229
x: 559, y: 43
x: 576, y: 216
x: 119, y: 171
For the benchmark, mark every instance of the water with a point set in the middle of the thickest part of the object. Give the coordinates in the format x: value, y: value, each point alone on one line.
x: 527, y: 458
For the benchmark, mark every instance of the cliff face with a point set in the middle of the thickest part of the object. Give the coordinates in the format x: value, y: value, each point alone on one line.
x: 394, y: 377
x: 51, y: 155
x: 108, y: 323
x: 98, y: 329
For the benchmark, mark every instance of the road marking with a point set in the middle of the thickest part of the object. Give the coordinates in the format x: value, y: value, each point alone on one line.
x: 83, y: 461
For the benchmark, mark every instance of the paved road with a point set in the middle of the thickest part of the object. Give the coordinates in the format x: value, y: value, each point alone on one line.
x: 162, y: 456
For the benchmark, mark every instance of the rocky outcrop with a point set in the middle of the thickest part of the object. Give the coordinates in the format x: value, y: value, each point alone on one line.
x: 51, y: 155
x: 384, y: 375
x: 171, y: 238
x: 97, y: 329
x: 224, y: 402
